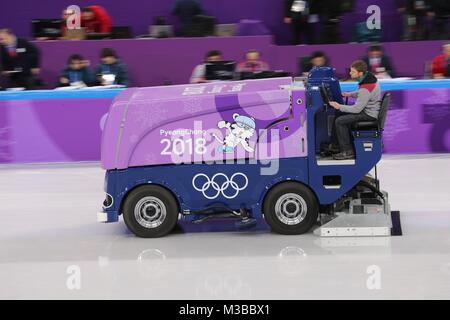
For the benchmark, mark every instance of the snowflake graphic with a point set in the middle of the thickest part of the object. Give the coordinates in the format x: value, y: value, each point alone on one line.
x: 147, y: 114
x: 192, y: 105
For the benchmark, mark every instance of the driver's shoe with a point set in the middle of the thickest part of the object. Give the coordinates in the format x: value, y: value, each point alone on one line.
x: 344, y: 155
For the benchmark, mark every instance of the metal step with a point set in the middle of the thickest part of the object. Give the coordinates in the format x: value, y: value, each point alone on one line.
x: 332, y: 162
x: 359, y: 225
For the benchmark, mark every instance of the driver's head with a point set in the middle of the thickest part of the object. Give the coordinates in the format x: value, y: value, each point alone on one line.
x: 358, y: 69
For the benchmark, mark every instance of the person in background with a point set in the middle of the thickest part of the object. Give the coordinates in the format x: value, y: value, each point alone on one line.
x: 300, y: 15
x: 440, y: 11
x: 440, y: 64
x: 415, y: 14
x: 199, y: 72
x: 95, y: 19
x: 366, y: 108
x: 111, y: 71
x: 379, y: 63
x: 252, y: 63
x: 76, y: 73
x: 330, y: 12
x: 185, y: 11
x: 20, y: 60
x: 316, y: 59
x: 66, y: 13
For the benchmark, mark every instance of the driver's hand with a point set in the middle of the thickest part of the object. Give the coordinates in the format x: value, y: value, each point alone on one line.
x: 335, y: 105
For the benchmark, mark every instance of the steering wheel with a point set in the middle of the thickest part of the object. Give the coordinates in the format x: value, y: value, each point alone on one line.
x: 325, y: 96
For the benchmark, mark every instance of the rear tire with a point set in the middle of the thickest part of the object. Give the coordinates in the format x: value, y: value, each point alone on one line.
x: 150, y: 211
x: 290, y: 208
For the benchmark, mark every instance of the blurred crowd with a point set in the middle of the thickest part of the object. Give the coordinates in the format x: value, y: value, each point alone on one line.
x: 311, y: 21
x: 422, y: 20
x: 425, y: 19
x: 20, y: 65
x: 20, y: 58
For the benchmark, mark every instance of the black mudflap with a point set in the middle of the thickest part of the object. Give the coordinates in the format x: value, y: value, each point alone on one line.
x: 396, y: 229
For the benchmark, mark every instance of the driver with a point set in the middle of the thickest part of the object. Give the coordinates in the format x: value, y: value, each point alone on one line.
x: 366, y: 108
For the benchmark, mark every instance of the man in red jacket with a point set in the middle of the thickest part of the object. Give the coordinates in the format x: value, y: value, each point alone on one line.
x: 95, y: 19
x: 441, y: 62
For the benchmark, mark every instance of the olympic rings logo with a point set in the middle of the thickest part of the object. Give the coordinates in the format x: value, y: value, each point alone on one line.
x: 219, y: 189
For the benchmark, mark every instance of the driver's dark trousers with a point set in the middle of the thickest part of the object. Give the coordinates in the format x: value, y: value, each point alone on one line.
x: 341, y: 131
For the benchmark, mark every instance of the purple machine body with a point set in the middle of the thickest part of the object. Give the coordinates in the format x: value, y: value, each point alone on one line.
x: 163, y: 125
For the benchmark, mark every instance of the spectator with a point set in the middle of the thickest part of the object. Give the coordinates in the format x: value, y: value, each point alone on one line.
x: 65, y: 15
x: 329, y: 13
x: 440, y: 10
x: 317, y: 59
x: 185, y: 11
x: 111, y: 71
x: 300, y: 15
x: 76, y: 73
x: 440, y: 65
x: 95, y: 19
x: 414, y: 18
x: 379, y: 63
x: 199, y: 73
x: 20, y: 60
x: 252, y: 63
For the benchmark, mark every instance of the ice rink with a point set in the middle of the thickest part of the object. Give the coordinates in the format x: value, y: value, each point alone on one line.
x: 52, y: 247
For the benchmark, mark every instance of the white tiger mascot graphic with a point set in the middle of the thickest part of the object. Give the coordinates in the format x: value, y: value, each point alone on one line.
x: 239, y: 133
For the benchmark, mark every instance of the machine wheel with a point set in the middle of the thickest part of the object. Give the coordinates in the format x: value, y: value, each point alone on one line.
x: 150, y: 211
x: 290, y: 208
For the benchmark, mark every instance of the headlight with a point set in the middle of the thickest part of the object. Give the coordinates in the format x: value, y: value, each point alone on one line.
x: 108, y: 202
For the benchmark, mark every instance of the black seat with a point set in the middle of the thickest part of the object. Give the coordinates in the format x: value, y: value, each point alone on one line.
x: 376, y: 125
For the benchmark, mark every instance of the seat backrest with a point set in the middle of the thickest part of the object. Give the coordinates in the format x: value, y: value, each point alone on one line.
x: 384, y: 109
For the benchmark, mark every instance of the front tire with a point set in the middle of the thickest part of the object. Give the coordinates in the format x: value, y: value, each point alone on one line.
x: 150, y: 211
x: 290, y: 208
